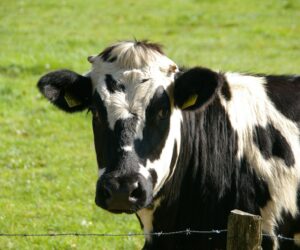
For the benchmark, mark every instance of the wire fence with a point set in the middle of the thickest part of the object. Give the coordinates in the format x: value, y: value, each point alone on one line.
x: 186, y: 232
x: 130, y: 234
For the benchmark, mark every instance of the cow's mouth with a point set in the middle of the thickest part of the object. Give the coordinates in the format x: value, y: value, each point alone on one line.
x: 120, y: 211
x: 129, y: 209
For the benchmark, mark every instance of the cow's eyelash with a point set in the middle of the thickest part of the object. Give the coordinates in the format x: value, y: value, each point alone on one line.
x: 145, y: 80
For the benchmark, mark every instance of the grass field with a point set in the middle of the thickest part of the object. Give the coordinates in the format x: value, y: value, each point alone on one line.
x: 47, y: 162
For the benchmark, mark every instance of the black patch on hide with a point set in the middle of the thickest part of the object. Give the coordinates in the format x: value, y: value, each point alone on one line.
x: 156, y: 130
x: 154, y: 176
x: 102, y: 133
x: 284, y: 91
x: 271, y: 143
x: 225, y: 90
x: 124, y: 131
x: 112, y: 85
x: 106, y: 55
x: 146, y: 45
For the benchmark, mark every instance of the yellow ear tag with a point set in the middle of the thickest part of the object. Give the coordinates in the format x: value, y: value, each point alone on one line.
x: 71, y: 100
x: 190, y: 101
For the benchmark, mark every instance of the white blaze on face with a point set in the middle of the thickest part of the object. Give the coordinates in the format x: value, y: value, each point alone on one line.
x: 144, y: 172
x: 162, y: 165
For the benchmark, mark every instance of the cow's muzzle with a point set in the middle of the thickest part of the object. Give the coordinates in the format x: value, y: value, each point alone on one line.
x: 119, y: 194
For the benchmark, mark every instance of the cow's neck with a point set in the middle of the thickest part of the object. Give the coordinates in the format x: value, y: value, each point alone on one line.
x: 208, y: 182
x: 196, y: 181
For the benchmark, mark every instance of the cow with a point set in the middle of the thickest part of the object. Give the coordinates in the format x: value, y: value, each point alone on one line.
x: 182, y: 147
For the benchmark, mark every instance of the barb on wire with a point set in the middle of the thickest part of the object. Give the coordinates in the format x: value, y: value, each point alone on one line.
x: 279, y: 236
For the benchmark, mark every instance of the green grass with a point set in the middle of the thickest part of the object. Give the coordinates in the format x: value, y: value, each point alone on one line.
x: 47, y: 162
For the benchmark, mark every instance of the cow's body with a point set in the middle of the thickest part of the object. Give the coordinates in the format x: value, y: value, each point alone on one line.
x: 182, y: 149
x: 249, y: 151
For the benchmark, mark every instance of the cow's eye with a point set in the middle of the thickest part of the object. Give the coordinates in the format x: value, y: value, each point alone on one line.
x: 163, y: 114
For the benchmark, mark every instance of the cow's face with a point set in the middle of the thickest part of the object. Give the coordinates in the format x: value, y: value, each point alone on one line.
x: 136, y: 105
x: 132, y: 116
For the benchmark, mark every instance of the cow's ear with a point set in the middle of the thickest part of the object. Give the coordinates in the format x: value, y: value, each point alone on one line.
x: 67, y: 90
x: 196, y: 88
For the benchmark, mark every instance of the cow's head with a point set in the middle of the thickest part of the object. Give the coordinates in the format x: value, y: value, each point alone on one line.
x: 136, y: 105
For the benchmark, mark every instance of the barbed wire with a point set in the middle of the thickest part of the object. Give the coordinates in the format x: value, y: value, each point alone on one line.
x: 280, y: 237
x: 186, y: 232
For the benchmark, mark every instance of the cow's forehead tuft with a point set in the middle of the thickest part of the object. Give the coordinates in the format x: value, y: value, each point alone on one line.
x: 129, y: 54
x: 122, y: 56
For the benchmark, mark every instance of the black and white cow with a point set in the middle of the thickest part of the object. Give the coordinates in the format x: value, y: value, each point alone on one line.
x: 182, y: 148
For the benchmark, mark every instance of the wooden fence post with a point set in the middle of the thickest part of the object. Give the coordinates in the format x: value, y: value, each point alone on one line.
x: 244, y: 231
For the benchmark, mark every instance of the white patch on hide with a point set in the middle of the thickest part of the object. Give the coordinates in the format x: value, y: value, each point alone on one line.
x: 162, y: 165
x: 127, y: 148
x: 146, y: 217
x: 249, y: 107
x: 144, y: 172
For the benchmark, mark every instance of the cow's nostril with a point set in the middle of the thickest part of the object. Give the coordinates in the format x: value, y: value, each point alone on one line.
x: 136, y: 193
x: 106, y: 192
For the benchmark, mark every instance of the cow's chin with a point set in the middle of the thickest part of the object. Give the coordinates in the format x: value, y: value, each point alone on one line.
x: 149, y: 205
x: 117, y: 211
